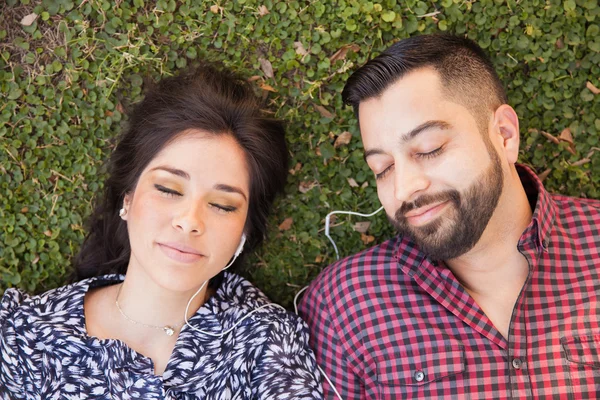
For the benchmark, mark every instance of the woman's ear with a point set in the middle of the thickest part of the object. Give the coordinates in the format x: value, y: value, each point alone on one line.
x: 506, y: 124
x: 125, y: 208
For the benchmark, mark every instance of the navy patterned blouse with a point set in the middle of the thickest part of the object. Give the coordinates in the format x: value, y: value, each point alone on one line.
x: 47, y: 354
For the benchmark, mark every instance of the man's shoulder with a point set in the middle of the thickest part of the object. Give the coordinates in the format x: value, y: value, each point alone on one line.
x: 577, y: 212
x: 366, y: 265
x: 568, y: 204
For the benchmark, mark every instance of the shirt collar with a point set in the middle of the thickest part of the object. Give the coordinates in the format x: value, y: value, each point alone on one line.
x: 544, y: 208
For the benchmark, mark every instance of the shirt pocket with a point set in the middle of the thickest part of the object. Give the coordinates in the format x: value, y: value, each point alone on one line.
x: 421, y: 365
x: 582, y: 360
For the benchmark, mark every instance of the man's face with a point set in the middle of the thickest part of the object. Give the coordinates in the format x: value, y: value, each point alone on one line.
x: 438, y: 177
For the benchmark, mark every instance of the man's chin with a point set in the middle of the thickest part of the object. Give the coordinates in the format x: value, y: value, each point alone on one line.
x: 435, y: 244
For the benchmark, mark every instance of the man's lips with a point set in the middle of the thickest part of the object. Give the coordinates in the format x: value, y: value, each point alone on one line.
x: 180, y: 253
x: 422, y: 215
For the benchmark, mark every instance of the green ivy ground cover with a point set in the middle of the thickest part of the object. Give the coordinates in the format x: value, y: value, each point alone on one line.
x: 69, y: 70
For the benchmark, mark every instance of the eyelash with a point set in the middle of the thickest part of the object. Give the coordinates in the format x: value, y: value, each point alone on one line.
x: 225, y: 209
x: 174, y: 193
x: 383, y: 173
x: 431, y: 154
x: 167, y: 191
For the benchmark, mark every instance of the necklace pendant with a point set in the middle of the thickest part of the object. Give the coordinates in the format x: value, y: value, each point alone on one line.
x: 168, y: 330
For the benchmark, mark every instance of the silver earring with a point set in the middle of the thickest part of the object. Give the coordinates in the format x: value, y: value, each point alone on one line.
x: 122, y: 212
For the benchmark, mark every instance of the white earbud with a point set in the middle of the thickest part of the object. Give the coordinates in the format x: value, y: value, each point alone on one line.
x: 240, y: 248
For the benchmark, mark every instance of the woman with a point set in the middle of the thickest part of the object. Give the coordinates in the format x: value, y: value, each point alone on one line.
x: 189, y: 189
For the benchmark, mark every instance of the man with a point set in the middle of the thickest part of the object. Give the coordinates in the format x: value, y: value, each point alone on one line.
x: 490, y: 290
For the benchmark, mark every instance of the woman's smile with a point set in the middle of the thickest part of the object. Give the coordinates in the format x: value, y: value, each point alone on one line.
x: 180, y: 253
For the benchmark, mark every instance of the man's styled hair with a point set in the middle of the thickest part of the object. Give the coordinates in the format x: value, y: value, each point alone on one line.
x: 467, y: 74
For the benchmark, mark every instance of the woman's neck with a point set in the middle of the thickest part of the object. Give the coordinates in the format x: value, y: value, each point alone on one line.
x: 142, y: 300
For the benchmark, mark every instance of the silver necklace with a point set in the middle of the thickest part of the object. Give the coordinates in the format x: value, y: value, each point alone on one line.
x: 169, y: 330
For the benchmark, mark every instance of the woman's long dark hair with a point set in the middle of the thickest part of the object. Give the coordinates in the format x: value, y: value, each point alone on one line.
x: 208, y: 99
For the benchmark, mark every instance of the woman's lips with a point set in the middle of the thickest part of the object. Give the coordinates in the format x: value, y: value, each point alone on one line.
x: 180, y: 253
x: 423, y: 215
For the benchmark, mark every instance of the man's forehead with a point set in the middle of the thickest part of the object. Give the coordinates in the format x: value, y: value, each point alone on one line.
x: 414, y: 82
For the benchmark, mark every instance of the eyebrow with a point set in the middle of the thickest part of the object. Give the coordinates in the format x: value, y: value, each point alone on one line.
x: 410, y: 135
x: 229, y: 189
x: 174, y: 171
x: 219, y: 186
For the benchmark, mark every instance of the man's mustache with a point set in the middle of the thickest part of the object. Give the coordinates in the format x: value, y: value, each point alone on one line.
x: 427, y: 199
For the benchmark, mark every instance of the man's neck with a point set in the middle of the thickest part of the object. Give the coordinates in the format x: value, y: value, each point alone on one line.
x: 494, y: 271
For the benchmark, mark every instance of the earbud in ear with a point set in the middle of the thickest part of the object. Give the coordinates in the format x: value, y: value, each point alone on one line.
x: 240, y: 248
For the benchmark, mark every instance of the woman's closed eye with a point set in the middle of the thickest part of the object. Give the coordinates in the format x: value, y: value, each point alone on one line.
x: 168, y: 192
x: 223, y: 208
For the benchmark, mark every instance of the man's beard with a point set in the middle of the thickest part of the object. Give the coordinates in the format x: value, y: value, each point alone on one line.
x: 458, y: 230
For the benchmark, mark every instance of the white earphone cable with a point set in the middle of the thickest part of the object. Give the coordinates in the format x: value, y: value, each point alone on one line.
x: 187, y: 307
x: 327, y: 224
x: 337, y: 257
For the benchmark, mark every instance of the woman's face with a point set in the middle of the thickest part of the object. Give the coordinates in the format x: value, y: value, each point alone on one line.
x: 187, y: 213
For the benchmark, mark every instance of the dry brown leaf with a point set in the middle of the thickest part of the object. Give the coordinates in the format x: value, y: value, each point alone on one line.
x: 581, y: 162
x: 267, y: 88
x: 29, y: 19
x: 544, y: 174
x: 343, y: 139
x: 364, y: 185
x: 215, y: 9
x: 300, y: 50
x: 48, y: 233
x: 343, y: 51
x: 254, y: 78
x: 566, y: 136
x: 266, y: 67
x: 551, y: 137
x: 35, y: 260
x: 286, y: 224
x: 592, y: 88
x: 559, y: 44
x: 366, y: 239
x: 24, y: 210
x: 323, y: 111
x: 352, y: 182
x: 362, y: 226
x: 319, y: 258
x: 296, y: 168
x: 304, y: 187
x: 263, y: 10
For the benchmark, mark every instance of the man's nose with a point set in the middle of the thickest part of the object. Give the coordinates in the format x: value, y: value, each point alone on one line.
x: 409, y: 181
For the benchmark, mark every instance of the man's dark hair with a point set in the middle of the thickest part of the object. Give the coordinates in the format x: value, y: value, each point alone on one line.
x: 467, y: 74
x: 208, y: 99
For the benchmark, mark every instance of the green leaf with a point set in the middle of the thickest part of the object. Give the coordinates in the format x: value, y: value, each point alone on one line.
x: 570, y: 5
x: 15, y: 94
x: 388, y: 16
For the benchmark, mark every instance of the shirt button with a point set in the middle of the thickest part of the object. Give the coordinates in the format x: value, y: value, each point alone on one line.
x: 419, y: 376
x: 517, y: 363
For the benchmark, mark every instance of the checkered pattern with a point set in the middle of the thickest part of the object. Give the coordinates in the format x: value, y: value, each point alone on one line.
x: 388, y: 323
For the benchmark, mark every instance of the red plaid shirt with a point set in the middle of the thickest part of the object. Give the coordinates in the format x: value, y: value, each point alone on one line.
x: 388, y: 323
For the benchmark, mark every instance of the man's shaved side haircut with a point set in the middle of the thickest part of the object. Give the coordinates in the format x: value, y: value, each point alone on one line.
x: 467, y: 74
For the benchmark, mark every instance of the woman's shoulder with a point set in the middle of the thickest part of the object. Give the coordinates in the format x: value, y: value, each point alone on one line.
x: 237, y: 293
x: 58, y: 303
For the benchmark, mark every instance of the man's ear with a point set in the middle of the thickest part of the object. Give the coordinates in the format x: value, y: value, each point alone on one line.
x: 506, y: 125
